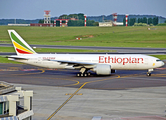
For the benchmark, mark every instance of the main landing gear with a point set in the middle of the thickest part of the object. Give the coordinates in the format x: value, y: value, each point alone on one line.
x: 149, y: 72
x: 83, y: 73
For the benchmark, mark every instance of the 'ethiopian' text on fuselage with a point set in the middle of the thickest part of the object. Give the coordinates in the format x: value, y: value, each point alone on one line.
x: 108, y: 59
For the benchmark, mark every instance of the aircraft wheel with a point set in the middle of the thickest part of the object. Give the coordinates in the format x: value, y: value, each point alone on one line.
x: 89, y: 73
x: 78, y: 74
x: 148, y: 74
x: 85, y: 74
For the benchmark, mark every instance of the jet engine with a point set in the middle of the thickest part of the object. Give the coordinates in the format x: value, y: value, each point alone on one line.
x: 102, y: 69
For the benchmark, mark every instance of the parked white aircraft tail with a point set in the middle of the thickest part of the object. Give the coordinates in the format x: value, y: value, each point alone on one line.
x: 101, y: 64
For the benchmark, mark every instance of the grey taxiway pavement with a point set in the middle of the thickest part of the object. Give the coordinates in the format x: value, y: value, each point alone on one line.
x: 129, y: 50
x: 60, y: 95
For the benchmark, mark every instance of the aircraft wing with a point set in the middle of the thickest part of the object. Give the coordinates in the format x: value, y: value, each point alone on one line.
x: 75, y: 63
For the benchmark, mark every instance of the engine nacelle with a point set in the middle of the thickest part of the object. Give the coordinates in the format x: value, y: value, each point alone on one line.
x: 102, y: 69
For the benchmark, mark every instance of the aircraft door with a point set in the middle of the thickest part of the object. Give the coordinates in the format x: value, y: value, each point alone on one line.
x: 146, y: 61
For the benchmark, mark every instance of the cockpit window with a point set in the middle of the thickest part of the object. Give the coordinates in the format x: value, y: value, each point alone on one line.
x: 158, y: 60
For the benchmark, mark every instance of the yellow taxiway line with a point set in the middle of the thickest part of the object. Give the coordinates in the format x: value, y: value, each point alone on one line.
x: 75, y: 93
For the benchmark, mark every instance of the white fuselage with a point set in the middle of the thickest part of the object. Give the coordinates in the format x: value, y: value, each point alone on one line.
x: 101, y: 64
x: 117, y: 61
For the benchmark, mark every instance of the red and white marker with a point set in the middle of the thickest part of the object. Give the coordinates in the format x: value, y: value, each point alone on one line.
x: 115, y: 16
x: 66, y: 22
x: 60, y: 23
x: 85, y: 20
x: 127, y: 19
x: 54, y: 23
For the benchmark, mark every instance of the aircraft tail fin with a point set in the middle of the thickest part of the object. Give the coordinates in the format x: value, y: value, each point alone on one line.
x: 21, y: 47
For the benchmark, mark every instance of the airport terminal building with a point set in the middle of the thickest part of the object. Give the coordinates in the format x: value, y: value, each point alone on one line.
x: 15, y: 103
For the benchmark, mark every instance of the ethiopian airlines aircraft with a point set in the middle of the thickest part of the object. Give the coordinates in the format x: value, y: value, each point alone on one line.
x: 101, y: 64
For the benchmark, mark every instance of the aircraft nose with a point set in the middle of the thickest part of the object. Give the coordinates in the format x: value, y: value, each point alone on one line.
x: 162, y: 64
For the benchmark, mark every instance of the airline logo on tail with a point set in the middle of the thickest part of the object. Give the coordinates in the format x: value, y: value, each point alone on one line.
x: 20, y: 45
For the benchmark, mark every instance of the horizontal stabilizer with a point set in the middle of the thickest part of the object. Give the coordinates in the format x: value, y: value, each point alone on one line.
x: 17, y: 58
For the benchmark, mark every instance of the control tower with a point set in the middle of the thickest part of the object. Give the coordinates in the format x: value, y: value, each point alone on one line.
x: 47, y: 17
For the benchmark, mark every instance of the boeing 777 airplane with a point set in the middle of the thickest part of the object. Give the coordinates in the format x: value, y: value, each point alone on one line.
x: 101, y: 64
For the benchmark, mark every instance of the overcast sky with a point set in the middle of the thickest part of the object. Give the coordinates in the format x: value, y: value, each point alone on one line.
x: 34, y: 9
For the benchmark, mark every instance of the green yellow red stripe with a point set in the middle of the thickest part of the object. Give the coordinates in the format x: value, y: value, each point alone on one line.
x: 21, y: 48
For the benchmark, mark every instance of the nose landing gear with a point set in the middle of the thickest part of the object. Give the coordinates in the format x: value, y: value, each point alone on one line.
x: 149, y: 72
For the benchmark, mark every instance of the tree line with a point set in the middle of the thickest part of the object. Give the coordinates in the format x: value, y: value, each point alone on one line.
x: 141, y: 21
